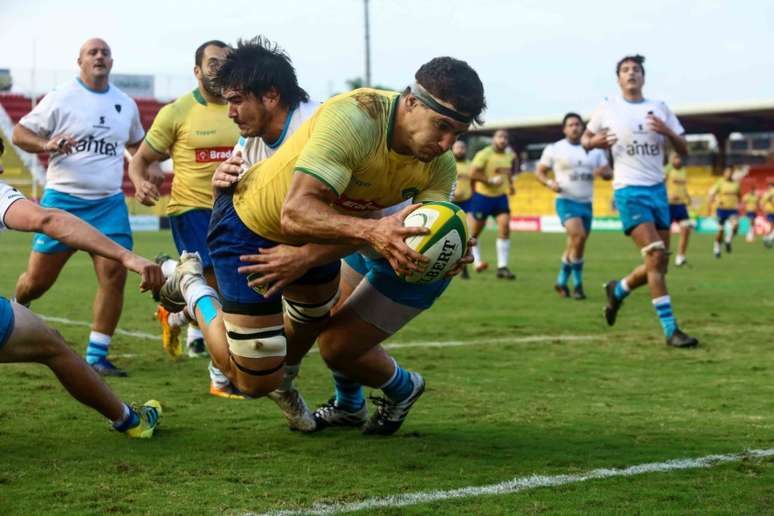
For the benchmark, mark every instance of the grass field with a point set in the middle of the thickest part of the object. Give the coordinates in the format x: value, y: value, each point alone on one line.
x: 498, y: 407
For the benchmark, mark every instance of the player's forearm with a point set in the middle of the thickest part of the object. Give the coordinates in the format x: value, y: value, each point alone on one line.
x: 541, y: 173
x: 678, y: 143
x: 477, y: 174
x: 314, y: 221
x: 138, y: 169
x: 320, y: 254
x: 28, y: 140
x: 77, y: 234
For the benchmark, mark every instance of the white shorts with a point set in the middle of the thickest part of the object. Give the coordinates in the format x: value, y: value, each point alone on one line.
x: 8, y: 196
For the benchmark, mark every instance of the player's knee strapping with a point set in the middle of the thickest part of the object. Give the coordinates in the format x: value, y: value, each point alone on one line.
x: 654, y: 247
x: 307, y: 313
x: 256, y: 343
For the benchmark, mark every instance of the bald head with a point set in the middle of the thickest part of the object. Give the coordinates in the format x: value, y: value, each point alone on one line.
x: 95, y: 61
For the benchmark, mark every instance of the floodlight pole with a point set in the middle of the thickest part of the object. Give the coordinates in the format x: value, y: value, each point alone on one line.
x: 367, y: 82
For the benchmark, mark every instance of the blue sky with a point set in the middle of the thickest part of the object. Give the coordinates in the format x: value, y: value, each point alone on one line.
x: 534, y: 57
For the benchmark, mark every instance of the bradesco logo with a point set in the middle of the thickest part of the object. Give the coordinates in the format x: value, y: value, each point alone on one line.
x: 213, y: 154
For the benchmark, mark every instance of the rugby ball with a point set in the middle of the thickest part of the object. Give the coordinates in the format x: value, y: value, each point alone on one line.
x: 446, y: 243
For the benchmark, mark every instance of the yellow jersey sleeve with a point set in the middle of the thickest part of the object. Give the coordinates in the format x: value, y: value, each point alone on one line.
x: 768, y: 201
x: 343, y: 137
x: 443, y: 173
x: 162, y: 133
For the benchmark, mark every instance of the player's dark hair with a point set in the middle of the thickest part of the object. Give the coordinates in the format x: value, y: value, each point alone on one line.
x: 199, y: 55
x: 455, y: 82
x: 258, y: 65
x: 636, y: 58
x: 571, y: 115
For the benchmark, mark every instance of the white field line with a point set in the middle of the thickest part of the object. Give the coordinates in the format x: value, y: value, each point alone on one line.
x: 392, y: 345
x: 522, y: 484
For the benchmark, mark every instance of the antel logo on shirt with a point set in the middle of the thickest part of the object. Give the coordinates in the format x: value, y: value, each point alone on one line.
x: 213, y: 154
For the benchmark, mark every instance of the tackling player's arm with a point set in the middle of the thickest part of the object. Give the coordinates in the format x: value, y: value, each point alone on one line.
x: 24, y: 215
x: 30, y: 141
x: 677, y: 141
x: 544, y: 165
x: 596, y: 136
x: 146, y: 182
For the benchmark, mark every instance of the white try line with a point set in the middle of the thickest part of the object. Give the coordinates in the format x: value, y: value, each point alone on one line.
x: 391, y: 345
x: 522, y: 484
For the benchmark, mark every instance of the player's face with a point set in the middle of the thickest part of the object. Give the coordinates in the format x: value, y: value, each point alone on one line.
x: 95, y: 59
x: 434, y: 134
x: 728, y: 173
x: 500, y: 140
x: 213, y: 58
x: 630, y: 77
x: 459, y: 149
x: 676, y: 160
x: 247, y: 112
x: 573, y: 129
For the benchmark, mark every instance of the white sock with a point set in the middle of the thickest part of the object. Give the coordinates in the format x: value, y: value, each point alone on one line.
x: 503, y: 248
x: 100, y: 338
x: 291, y: 372
x: 476, y: 255
x: 216, y: 377
x: 729, y: 236
x: 193, y: 334
x: 179, y: 319
x: 126, y: 414
x: 195, y: 291
x: 168, y: 268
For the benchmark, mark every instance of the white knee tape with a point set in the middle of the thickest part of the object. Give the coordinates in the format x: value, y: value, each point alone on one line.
x: 652, y: 247
x: 686, y: 223
x: 256, y: 342
x: 305, y: 313
x: 195, y: 292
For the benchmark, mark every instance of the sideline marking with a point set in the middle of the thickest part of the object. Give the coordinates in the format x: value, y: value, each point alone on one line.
x: 393, y: 345
x: 522, y: 484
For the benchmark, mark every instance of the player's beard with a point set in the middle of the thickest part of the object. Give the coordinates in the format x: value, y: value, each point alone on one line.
x: 209, y: 86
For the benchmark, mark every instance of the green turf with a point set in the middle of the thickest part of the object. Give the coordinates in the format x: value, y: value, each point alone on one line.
x: 492, y: 411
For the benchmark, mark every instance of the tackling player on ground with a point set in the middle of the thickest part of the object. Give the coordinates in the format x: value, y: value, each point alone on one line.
x: 492, y: 174
x: 637, y: 130
x: 84, y: 125
x: 677, y: 190
x: 25, y: 338
x: 361, y: 152
x: 574, y: 170
x: 725, y: 195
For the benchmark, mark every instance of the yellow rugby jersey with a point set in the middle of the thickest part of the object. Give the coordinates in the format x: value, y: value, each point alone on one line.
x: 768, y: 201
x: 494, y: 163
x: 346, y: 145
x: 750, y: 201
x: 462, y: 188
x: 677, y: 185
x: 197, y: 135
x: 727, y: 194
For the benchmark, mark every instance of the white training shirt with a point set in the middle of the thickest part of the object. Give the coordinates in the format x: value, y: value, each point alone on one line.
x: 254, y: 149
x: 8, y: 196
x: 638, y: 155
x: 102, y: 122
x: 574, y: 168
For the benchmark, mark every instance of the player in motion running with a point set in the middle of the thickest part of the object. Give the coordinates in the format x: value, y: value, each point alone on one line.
x: 575, y: 170
x: 637, y: 130
x: 361, y: 152
x: 767, y: 201
x: 725, y: 195
x: 677, y: 189
x: 196, y: 133
x: 25, y: 338
x: 84, y: 125
x: 463, y: 188
x: 492, y: 173
x: 751, y: 200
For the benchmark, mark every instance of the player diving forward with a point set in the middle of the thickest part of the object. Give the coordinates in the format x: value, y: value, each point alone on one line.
x: 361, y: 152
x: 25, y: 338
x: 575, y: 170
x: 637, y: 130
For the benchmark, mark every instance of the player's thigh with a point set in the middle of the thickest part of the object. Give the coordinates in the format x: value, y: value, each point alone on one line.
x: 503, y: 223
x: 575, y: 228
x: 645, y: 234
x: 28, y: 338
x: 110, y: 273
x: 349, y: 335
x: 43, y: 268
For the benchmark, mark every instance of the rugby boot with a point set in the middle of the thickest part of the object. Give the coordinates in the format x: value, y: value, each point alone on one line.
x: 505, y: 273
x: 562, y: 290
x: 390, y: 415
x: 331, y: 414
x: 149, y: 414
x: 681, y: 340
x: 294, y: 409
x: 170, y: 336
x: 578, y: 294
x: 613, y: 304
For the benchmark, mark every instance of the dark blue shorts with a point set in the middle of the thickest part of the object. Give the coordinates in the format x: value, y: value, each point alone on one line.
x: 640, y: 204
x: 568, y: 209
x: 108, y: 215
x: 189, y: 230
x: 466, y: 205
x: 483, y: 206
x: 678, y: 212
x: 770, y: 217
x: 228, y: 239
x: 6, y: 320
x: 751, y: 215
x: 723, y: 215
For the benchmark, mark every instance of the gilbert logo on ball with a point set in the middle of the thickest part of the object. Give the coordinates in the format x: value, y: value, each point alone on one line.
x: 446, y: 243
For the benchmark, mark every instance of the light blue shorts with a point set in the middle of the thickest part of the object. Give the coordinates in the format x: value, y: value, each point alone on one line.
x: 6, y: 320
x: 640, y: 204
x: 108, y: 215
x: 568, y: 209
